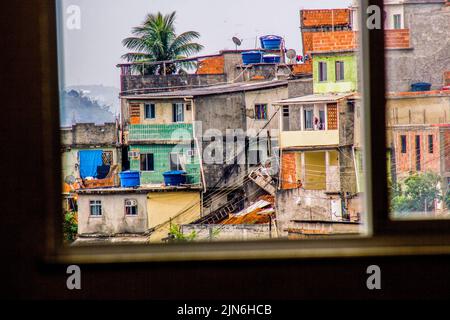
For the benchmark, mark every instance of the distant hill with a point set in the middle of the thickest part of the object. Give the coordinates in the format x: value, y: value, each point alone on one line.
x: 78, y: 107
x: 104, y: 95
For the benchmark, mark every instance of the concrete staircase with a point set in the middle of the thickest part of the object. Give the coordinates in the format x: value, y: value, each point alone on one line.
x: 263, y: 180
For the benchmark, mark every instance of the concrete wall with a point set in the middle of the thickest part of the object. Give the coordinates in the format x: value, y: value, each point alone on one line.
x: 218, y: 232
x: 113, y: 219
x: 266, y: 96
x: 317, y: 229
x: 300, y: 204
x: 131, y: 84
x: 90, y: 134
x: 405, y: 163
x: 428, y: 58
x: 221, y: 112
x: 300, y: 87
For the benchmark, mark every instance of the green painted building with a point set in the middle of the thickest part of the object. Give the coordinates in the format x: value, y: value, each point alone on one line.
x: 335, y: 72
x: 158, y: 148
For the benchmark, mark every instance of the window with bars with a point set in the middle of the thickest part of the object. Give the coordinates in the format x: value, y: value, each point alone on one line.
x: 178, y: 112
x: 107, y: 158
x: 95, y: 208
x: 261, y: 111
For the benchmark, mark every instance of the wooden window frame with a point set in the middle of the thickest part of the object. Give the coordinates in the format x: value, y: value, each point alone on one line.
x: 140, y: 161
x: 322, y: 75
x: 339, y: 76
x: 384, y: 236
x: 152, y: 106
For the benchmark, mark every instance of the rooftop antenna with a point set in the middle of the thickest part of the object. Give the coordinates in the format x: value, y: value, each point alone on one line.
x: 291, y: 54
x: 237, y: 42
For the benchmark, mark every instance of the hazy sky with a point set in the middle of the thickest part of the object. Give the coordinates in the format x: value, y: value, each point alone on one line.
x: 92, y: 52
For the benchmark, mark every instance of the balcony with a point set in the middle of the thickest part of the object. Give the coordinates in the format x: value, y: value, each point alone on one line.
x: 309, y: 138
x: 160, y: 133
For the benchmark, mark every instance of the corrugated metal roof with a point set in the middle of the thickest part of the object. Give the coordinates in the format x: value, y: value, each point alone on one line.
x: 312, y: 98
x: 211, y: 90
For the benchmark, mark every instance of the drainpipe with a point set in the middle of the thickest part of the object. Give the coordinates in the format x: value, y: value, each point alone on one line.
x: 196, y: 142
x: 356, y: 170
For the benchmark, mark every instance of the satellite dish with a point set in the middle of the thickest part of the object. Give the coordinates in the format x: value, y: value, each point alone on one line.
x: 291, y: 54
x: 237, y: 41
x: 70, y: 179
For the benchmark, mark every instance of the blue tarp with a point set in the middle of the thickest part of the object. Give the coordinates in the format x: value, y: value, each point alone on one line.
x: 89, y: 161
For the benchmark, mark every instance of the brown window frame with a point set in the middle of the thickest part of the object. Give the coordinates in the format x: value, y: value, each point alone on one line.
x: 384, y: 236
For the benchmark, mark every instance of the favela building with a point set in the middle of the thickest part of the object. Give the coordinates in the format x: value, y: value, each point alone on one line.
x: 265, y: 142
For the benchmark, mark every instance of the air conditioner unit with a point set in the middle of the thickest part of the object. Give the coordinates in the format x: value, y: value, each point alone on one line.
x: 190, y: 153
x: 130, y: 203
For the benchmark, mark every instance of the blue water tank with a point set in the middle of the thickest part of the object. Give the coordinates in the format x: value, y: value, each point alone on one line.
x: 271, y: 58
x: 129, y: 179
x: 174, y: 178
x: 271, y: 42
x: 421, y: 86
x: 249, y: 57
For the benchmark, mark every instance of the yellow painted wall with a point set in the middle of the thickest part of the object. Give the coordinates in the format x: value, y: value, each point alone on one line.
x: 181, y: 207
x: 315, y: 171
x: 163, y: 112
x: 309, y: 138
x: 298, y: 166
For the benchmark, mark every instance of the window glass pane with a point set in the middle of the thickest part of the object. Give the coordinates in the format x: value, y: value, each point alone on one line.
x: 265, y: 150
x: 418, y: 108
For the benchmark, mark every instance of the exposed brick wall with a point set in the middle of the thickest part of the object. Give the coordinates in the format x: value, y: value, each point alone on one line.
x: 302, y: 68
x: 213, y: 65
x: 406, y: 162
x: 447, y: 78
x: 288, y: 171
x: 330, y: 41
x: 446, y: 136
x: 307, y: 41
x: 324, y: 17
x: 396, y: 38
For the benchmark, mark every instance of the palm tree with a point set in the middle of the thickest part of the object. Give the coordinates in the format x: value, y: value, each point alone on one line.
x: 156, y: 40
